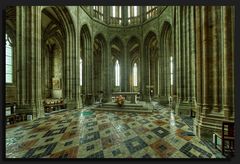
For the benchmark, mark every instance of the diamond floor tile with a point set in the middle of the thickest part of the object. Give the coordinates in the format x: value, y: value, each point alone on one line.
x: 87, y: 133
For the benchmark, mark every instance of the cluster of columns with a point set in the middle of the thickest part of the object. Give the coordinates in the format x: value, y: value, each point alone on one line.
x: 165, y: 54
x: 87, y: 60
x: 204, y: 44
x: 184, y: 35
x: 215, y: 71
x: 28, y: 42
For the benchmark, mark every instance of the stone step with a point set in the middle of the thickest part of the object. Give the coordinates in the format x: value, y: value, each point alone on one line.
x: 124, y: 106
x: 120, y: 109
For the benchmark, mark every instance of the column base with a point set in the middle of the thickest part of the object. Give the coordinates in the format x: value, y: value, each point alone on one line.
x: 205, y: 126
x: 79, y: 104
x: 163, y: 100
x: 89, y: 99
x: 184, y: 108
x: 146, y: 98
x: 227, y: 112
x: 71, y: 104
x: 33, y: 110
x: 107, y: 99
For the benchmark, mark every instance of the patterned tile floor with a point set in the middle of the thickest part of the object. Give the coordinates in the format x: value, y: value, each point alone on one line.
x: 99, y: 134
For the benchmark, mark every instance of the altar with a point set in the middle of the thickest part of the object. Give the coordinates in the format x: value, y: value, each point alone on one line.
x: 125, y: 94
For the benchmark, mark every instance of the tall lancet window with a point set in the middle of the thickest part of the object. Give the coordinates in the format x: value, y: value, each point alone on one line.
x: 117, y: 73
x: 116, y: 13
x: 171, y: 69
x: 80, y: 71
x: 135, y: 11
x: 9, y: 60
x: 135, y: 75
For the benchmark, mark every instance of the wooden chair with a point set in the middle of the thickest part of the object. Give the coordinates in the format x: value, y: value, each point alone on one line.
x: 11, y: 119
x: 18, y: 118
x: 227, y: 137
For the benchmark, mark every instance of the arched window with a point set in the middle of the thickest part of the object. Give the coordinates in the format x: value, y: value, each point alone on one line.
x: 171, y: 69
x: 135, y: 75
x: 117, y: 74
x: 9, y: 60
x: 116, y: 14
x: 133, y: 11
x: 98, y: 12
x: 151, y: 11
x: 81, y: 71
x: 114, y: 11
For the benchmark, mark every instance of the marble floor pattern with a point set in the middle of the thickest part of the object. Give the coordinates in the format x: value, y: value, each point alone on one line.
x: 99, y: 134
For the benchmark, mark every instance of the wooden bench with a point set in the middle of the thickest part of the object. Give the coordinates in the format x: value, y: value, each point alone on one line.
x: 14, y: 118
x: 227, y: 137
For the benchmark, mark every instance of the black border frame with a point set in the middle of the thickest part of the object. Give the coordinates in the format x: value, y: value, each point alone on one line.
x: 235, y: 3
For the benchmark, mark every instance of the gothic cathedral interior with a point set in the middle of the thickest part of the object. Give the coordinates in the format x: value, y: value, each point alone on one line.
x: 119, y: 82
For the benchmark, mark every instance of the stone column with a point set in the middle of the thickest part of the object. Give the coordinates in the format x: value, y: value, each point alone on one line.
x: 143, y: 16
x: 148, y: 61
x: 179, y: 63
x: 158, y: 75
x: 108, y: 73
x: 188, y: 54
x: 227, y: 62
x: 192, y: 58
x: 84, y: 71
x: 88, y: 67
x: 174, y: 55
x: 181, y: 60
x: 90, y: 70
x: 69, y: 73
x: 124, y: 15
x: 205, y: 105
x: 215, y: 61
x: 156, y: 72
x: 186, y: 62
x: 106, y: 14
x: 198, y: 67
x: 165, y: 68
x: 161, y: 72
x: 146, y: 69
x: 143, y: 70
x: 176, y: 52
x: 164, y: 65
x: 209, y: 116
x: 167, y: 61
x: 77, y: 62
x: 29, y: 60
x: 125, y: 66
x: 183, y: 53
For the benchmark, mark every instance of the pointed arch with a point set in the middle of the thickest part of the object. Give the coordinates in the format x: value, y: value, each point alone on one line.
x: 86, y: 55
x: 151, y: 64
x: 99, y: 54
x: 133, y: 47
x: 167, y: 59
x: 58, y: 26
